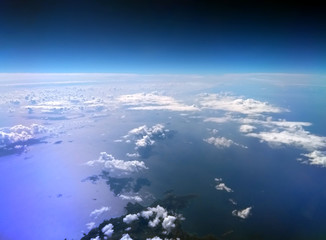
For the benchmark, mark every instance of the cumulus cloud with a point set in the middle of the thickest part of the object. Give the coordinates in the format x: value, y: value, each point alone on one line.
x: 219, y: 142
x: 126, y: 237
x: 154, y: 238
x: 116, y: 166
x: 130, y: 198
x: 233, y: 104
x: 97, y: 212
x: 108, y: 230
x: 18, y: 135
x: 130, y: 218
x: 246, y: 128
x: 316, y: 158
x: 145, y: 137
x: 168, y: 223
x: 124, y: 166
x: 97, y: 238
x: 160, y: 216
x: 276, y: 133
x: 221, y: 186
x: 154, y: 101
x: 244, y: 213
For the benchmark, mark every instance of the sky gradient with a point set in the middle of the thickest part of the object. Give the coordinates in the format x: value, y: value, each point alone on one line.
x: 167, y: 36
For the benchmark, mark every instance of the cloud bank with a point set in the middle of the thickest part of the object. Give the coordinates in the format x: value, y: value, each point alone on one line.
x: 153, y: 101
x: 230, y: 103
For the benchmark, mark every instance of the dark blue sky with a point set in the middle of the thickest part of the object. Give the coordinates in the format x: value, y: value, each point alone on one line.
x: 165, y: 36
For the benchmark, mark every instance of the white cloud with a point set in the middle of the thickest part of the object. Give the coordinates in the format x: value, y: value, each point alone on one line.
x: 242, y: 213
x: 147, y: 214
x: 297, y: 137
x: 168, y: 223
x: 97, y: 238
x: 221, y: 186
x: 20, y: 134
x: 57, y: 106
x: 132, y: 155
x: 160, y: 214
x: 126, y: 237
x: 134, y: 198
x: 144, y: 142
x: 116, y: 166
x: 90, y: 225
x: 130, y: 218
x: 219, y: 119
x: 246, y: 128
x: 233, y: 202
x: 97, y: 212
x: 108, y: 230
x: 316, y: 158
x: 219, y: 142
x: 154, y: 238
x: 144, y: 137
x: 233, y: 104
x: 102, y: 159
x: 124, y: 166
x: 153, y: 101
x: 276, y: 133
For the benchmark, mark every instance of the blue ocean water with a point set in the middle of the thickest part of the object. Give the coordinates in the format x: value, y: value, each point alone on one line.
x: 44, y: 192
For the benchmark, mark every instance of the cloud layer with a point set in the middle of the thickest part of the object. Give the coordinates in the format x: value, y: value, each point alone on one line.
x: 153, y: 101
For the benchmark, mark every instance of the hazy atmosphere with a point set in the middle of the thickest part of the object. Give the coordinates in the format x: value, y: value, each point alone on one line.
x: 162, y: 120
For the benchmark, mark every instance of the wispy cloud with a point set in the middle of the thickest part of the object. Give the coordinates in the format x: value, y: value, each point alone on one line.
x: 293, y: 137
x: 97, y: 212
x: 130, y: 198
